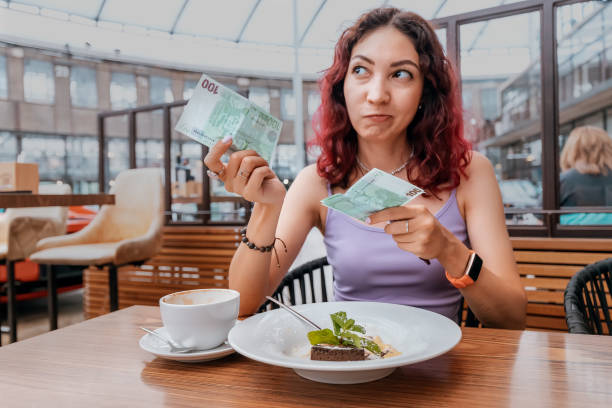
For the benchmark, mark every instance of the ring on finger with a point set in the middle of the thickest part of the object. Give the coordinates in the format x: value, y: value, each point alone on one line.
x: 244, y: 174
x: 217, y: 174
x: 406, y: 226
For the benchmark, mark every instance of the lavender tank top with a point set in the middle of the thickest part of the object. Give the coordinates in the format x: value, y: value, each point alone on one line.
x: 368, y: 265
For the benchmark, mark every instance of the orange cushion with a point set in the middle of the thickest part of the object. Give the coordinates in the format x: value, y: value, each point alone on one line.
x: 25, y: 271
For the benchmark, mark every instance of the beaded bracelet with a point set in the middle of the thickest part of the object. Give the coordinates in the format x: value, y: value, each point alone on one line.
x: 268, y: 248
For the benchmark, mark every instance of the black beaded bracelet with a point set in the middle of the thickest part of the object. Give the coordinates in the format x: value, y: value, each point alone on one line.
x: 267, y: 248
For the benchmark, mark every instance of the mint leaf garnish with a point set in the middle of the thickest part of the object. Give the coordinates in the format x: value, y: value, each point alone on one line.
x: 345, y: 333
x: 324, y: 336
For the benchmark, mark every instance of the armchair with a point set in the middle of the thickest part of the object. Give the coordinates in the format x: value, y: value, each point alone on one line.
x: 20, y: 230
x: 128, y: 232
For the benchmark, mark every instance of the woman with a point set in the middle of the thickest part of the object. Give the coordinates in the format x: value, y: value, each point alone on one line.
x: 586, y: 180
x: 388, y: 101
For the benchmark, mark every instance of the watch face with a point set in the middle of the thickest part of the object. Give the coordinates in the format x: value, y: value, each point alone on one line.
x: 475, y: 267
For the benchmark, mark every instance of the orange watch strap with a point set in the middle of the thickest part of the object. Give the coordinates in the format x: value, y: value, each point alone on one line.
x: 461, y: 282
x: 465, y: 280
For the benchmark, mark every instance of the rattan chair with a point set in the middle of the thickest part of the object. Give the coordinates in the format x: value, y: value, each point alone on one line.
x: 313, y: 272
x: 587, y: 299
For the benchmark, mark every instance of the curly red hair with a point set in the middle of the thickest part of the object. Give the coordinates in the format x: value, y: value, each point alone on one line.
x: 440, y: 152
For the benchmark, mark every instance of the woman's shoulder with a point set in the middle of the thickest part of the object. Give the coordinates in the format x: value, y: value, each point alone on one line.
x: 311, y: 175
x: 478, y: 162
x: 478, y: 168
x: 309, y: 183
x: 477, y: 183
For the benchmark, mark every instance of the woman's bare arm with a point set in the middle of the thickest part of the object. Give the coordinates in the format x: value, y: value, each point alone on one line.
x: 255, y: 274
x: 498, y: 298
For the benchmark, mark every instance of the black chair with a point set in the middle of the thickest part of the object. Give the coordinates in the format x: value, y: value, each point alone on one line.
x: 286, y: 293
x: 587, y: 299
x: 286, y: 290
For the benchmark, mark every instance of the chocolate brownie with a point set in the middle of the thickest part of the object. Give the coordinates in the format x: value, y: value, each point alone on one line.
x: 325, y: 352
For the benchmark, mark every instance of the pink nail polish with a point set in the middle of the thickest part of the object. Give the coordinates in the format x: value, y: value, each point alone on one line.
x: 227, y: 139
x: 368, y: 220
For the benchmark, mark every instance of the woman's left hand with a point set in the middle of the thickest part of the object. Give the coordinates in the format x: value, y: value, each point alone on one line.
x: 414, y: 229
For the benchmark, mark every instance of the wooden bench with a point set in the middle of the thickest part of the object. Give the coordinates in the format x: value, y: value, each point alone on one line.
x: 546, y: 266
x: 196, y: 257
x: 191, y: 257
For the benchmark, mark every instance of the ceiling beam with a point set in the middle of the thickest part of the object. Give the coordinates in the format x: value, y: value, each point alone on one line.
x: 314, y: 17
x: 435, y: 14
x: 248, y: 20
x: 478, y: 35
x: 178, y: 16
x: 100, y: 10
x: 481, y: 31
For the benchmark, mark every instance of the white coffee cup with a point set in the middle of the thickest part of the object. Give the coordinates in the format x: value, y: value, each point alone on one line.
x: 200, y: 318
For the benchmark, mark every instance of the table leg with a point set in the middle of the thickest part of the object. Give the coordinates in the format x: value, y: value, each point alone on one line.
x: 112, y: 288
x: 51, y: 297
x: 12, y: 300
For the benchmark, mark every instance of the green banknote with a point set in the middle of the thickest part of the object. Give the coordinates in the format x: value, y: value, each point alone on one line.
x: 215, y: 111
x: 375, y: 191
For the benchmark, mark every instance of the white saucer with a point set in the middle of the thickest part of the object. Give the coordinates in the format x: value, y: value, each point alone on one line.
x: 157, y: 347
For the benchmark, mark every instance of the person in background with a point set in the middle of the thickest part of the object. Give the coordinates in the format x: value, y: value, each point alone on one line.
x: 389, y: 101
x: 586, y: 178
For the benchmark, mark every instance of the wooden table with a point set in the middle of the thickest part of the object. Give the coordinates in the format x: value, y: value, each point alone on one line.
x: 13, y: 200
x: 99, y: 363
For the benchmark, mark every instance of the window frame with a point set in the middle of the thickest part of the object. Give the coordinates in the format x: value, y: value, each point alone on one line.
x: 549, y: 111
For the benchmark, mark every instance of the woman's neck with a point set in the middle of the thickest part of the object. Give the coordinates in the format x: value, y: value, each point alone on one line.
x: 386, y: 157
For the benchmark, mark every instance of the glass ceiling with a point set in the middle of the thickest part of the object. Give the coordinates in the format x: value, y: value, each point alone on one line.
x: 236, y: 36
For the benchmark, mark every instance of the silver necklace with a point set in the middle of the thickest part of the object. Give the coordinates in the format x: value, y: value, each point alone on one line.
x: 393, y: 173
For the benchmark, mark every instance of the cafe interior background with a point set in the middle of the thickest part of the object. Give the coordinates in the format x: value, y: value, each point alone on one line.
x: 91, y: 88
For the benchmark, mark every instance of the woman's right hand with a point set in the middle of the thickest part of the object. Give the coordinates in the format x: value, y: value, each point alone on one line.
x: 246, y: 174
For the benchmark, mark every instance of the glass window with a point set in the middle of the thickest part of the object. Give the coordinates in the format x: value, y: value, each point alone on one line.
x: 8, y: 147
x: 584, y: 52
x: 3, y: 78
x: 287, y: 104
x: 441, y: 33
x: 231, y: 86
x: 261, y: 97
x: 314, y: 100
x: 160, y: 90
x: 188, y: 87
x: 122, y: 90
x: 82, y: 162
x: 450, y: 8
x: 83, y: 87
x: 466, y: 98
x: 149, y: 153
x: 489, y: 99
x: 595, y: 119
x: 118, y: 159
x: 500, y: 73
x: 285, y: 164
x: 38, y: 81
x: 49, y: 152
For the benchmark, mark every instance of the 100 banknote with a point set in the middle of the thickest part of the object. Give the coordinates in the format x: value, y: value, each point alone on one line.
x: 215, y: 111
x: 375, y: 191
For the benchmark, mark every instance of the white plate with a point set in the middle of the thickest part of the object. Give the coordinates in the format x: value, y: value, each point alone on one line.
x: 278, y: 338
x: 156, y: 346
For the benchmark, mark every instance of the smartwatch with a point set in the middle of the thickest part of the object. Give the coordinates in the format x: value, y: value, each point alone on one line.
x: 472, y: 271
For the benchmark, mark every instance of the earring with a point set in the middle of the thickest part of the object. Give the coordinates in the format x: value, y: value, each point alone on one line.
x: 420, y: 106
